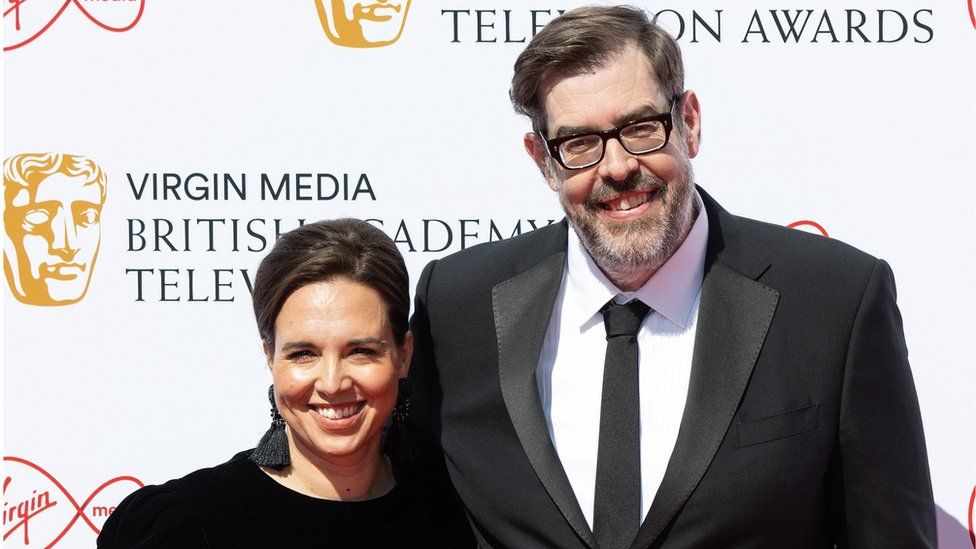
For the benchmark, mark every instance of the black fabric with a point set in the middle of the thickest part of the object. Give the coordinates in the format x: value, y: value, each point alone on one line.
x: 801, y: 427
x: 272, y: 450
x: 617, y: 498
x: 237, y: 505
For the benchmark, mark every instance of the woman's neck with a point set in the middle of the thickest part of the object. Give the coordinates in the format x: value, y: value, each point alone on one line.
x: 363, y: 476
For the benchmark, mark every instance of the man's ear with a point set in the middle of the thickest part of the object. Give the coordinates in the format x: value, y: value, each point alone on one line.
x: 536, y: 147
x: 691, y: 117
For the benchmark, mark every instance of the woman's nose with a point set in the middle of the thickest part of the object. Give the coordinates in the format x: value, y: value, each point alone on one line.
x: 331, y: 377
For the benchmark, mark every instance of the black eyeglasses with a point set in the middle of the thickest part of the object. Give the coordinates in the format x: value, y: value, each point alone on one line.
x: 641, y: 136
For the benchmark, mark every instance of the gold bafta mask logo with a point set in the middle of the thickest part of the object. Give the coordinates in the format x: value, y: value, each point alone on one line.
x: 52, y: 222
x: 372, y: 24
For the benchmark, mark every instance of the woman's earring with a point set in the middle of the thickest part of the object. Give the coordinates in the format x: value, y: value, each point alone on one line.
x: 401, y: 441
x: 272, y: 450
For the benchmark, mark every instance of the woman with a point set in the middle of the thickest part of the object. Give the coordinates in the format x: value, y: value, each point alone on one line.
x: 331, y: 302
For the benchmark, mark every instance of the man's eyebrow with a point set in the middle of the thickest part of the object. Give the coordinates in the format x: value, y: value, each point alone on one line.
x: 563, y: 131
x: 640, y: 112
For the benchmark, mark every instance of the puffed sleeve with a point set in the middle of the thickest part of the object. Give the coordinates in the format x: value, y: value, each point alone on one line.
x: 153, y: 516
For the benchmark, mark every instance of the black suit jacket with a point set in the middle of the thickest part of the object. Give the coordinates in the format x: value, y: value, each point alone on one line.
x: 801, y: 427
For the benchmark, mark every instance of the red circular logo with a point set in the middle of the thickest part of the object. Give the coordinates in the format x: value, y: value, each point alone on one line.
x: 811, y: 224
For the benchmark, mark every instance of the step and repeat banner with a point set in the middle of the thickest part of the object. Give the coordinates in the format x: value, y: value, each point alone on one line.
x: 154, y: 149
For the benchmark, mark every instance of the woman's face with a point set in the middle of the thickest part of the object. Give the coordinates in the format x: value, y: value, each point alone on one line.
x: 335, y: 366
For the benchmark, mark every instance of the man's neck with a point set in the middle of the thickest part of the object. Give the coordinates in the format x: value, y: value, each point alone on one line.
x: 627, y: 279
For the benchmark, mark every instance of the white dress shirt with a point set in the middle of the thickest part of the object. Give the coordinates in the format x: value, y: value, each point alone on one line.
x: 570, y: 370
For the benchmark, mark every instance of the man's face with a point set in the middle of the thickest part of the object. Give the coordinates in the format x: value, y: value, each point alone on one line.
x: 370, y: 23
x: 631, y: 211
x: 55, y: 235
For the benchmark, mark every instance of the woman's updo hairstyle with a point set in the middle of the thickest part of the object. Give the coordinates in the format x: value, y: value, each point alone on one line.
x: 326, y: 250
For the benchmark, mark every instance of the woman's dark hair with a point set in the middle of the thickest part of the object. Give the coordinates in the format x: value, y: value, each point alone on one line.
x: 326, y: 250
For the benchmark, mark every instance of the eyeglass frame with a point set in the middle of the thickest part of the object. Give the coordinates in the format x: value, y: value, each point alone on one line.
x: 666, y: 118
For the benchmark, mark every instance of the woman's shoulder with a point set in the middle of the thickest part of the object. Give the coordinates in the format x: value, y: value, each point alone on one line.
x: 173, y: 514
x: 154, y: 516
x: 429, y: 492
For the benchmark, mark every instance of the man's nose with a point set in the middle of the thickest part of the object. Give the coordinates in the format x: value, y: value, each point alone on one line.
x: 64, y: 235
x: 617, y: 163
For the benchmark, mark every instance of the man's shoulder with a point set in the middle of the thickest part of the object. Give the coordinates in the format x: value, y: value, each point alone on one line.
x: 796, y: 243
x: 793, y: 258
x: 753, y: 244
x: 492, y: 262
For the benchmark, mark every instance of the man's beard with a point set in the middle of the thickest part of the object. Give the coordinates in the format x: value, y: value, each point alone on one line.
x: 624, y: 249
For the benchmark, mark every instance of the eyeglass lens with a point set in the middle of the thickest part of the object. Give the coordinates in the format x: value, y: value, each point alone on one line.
x: 638, y: 138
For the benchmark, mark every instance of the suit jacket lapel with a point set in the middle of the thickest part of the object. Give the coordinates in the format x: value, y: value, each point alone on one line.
x: 733, y: 319
x: 522, y: 307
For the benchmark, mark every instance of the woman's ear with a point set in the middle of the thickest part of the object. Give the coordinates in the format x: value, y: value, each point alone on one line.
x: 268, y: 357
x: 406, y: 353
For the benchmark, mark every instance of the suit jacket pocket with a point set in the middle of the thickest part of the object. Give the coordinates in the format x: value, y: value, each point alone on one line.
x: 786, y: 424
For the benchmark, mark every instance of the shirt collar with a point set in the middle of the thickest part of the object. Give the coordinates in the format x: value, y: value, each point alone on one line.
x: 671, y: 291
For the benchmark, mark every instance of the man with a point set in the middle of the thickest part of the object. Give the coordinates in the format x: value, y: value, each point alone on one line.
x: 657, y: 372
x: 52, y: 222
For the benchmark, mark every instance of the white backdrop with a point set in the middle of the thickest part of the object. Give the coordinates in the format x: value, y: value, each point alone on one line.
x: 874, y: 141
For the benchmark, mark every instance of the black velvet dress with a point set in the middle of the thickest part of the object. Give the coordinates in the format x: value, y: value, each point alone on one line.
x: 237, y: 505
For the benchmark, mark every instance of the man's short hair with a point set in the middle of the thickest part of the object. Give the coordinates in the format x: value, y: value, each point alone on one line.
x: 584, y: 39
x: 26, y: 171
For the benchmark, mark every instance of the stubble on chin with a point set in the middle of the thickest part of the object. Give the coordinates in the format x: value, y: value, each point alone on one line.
x: 629, y: 253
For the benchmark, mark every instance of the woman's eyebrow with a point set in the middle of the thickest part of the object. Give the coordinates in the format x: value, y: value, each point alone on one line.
x: 367, y: 341
x: 296, y: 345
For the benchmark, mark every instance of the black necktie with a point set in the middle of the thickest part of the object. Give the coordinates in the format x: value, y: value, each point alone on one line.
x: 616, y: 508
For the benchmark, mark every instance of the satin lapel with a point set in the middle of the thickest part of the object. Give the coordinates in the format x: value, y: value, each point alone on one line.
x: 522, y: 307
x: 733, y: 319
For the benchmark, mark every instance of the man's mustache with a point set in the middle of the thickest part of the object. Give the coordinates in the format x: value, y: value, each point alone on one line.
x: 636, y: 182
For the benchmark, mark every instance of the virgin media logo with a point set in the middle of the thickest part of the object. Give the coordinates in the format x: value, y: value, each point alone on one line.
x: 26, y: 20
x: 809, y: 226
x: 38, y: 511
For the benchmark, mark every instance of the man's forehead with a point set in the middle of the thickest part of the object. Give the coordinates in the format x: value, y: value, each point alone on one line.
x: 65, y: 188
x: 621, y: 86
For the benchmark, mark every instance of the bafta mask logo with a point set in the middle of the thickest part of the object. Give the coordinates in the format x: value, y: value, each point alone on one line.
x: 52, y: 223
x: 374, y: 24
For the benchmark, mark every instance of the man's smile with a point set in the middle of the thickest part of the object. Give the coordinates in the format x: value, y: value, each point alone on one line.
x: 627, y: 205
